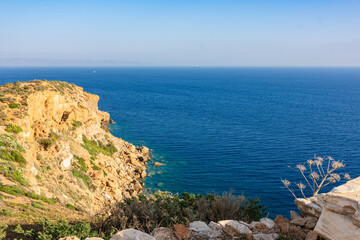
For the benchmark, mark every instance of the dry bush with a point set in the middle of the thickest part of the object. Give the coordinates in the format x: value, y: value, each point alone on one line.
x: 163, y: 210
x: 319, y: 174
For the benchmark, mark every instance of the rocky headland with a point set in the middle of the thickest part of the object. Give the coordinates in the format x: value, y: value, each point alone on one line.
x: 57, y: 154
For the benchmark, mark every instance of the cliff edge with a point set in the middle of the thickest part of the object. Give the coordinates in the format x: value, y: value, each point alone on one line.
x: 56, y: 154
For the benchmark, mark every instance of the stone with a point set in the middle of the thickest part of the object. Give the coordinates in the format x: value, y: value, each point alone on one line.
x: 131, y: 234
x: 294, y: 215
x: 299, y: 222
x: 66, y: 163
x: 70, y: 238
x: 158, y: 164
x: 310, y: 222
x: 234, y: 228
x: 268, y: 222
x: 340, y: 218
x: 181, y: 232
x: 215, y: 226
x: 336, y: 226
x: 144, y: 150
x: 261, y: 236
x: 312, y: 236
x: 308, y: 207
x: 94, y: 238
x: 203, y: 229
x: 163, y: 233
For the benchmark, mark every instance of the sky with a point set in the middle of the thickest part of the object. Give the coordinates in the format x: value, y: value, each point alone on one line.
x: 180, y: 33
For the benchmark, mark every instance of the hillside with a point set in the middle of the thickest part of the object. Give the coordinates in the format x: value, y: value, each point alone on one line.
x: 57, y: 157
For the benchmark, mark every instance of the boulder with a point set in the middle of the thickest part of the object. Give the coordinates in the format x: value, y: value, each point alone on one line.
x: 340, y: 218
x: 312, y: 236
x: 94, y: 238
x: 203, y: 229
x: 181, y: 231
x: 158, y: 164
x: 163, y: 233
x: 308, y: 207
x: 234, y: 228
x: 261, y: 236
x: 294, y: 215
x: 70, y: 238
x: 268, y: 222
x: 131, y: 234
x: 215, y: 226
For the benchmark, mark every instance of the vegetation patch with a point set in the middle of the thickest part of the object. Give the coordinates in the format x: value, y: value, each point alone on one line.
x: 71, y: 207
x: 48, y: 142
x: 13, y: 128
x: 76, y: 124
x: 164, y: 210
x: 9, y: 141
x: 14, y: 105
x: 16, y: 191
x: 96, y: 147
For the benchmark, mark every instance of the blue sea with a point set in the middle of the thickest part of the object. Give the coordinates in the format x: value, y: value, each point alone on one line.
x: 226, y: 129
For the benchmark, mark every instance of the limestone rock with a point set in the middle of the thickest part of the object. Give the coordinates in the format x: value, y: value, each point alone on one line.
x: 163, y: 233
x: 268, y: 222
x: 308, y: 207
x: 131, y: 234
x: 70, y: 238
x: 312, y: 236
x: 234, y: 228
x: 261, y: 236
x: 336, y: 226
x: 94, y: 238
x: 294, y: 215
x: 215, y: 226
x: 203, y: 229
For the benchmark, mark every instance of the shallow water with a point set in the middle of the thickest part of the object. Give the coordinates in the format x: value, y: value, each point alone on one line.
x: 226, y: 129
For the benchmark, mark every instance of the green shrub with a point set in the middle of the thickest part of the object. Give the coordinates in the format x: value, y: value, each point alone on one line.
x: 82, y: 176
x: 15, y: 190
x: 71, y: 207
x: 13, y: 128
x: 76, y: 123
x: 163, y: 210
x: 9, y: 141
x: 96, y: 147
x: 14, y: 105
x: 3, y: 228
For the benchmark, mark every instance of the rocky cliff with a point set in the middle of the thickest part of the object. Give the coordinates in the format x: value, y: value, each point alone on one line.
x: 56, y: 150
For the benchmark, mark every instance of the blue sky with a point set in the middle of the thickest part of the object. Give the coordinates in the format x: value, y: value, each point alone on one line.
x: 180, y: 33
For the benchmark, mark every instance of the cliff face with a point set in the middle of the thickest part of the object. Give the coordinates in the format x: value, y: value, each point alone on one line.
x: 55, y: 143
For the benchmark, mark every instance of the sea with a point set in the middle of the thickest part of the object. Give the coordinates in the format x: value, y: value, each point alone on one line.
x: 218, y: 130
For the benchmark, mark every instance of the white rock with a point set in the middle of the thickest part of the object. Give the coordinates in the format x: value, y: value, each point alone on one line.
x: 340, y: 218
x: 203, y: 229
x: 66, y: 163
x: 240, y: 228
x: 215, y: 226
x: 308, y: 206
x: 261, y: 236
x: 268, y: 222
x: 131, y: 234
x: 94, y: 238
x: 34, y: 171
x: 253, y: 224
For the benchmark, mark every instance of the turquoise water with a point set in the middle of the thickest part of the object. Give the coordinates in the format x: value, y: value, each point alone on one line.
x: 226, y: 129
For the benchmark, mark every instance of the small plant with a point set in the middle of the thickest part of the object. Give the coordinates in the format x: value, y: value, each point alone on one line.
x: 13, y: 128
x: 14, y: 105
x: 76, y: 124
x: 320, y: 173
x: 71, y: 207
x: 3, y: 228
